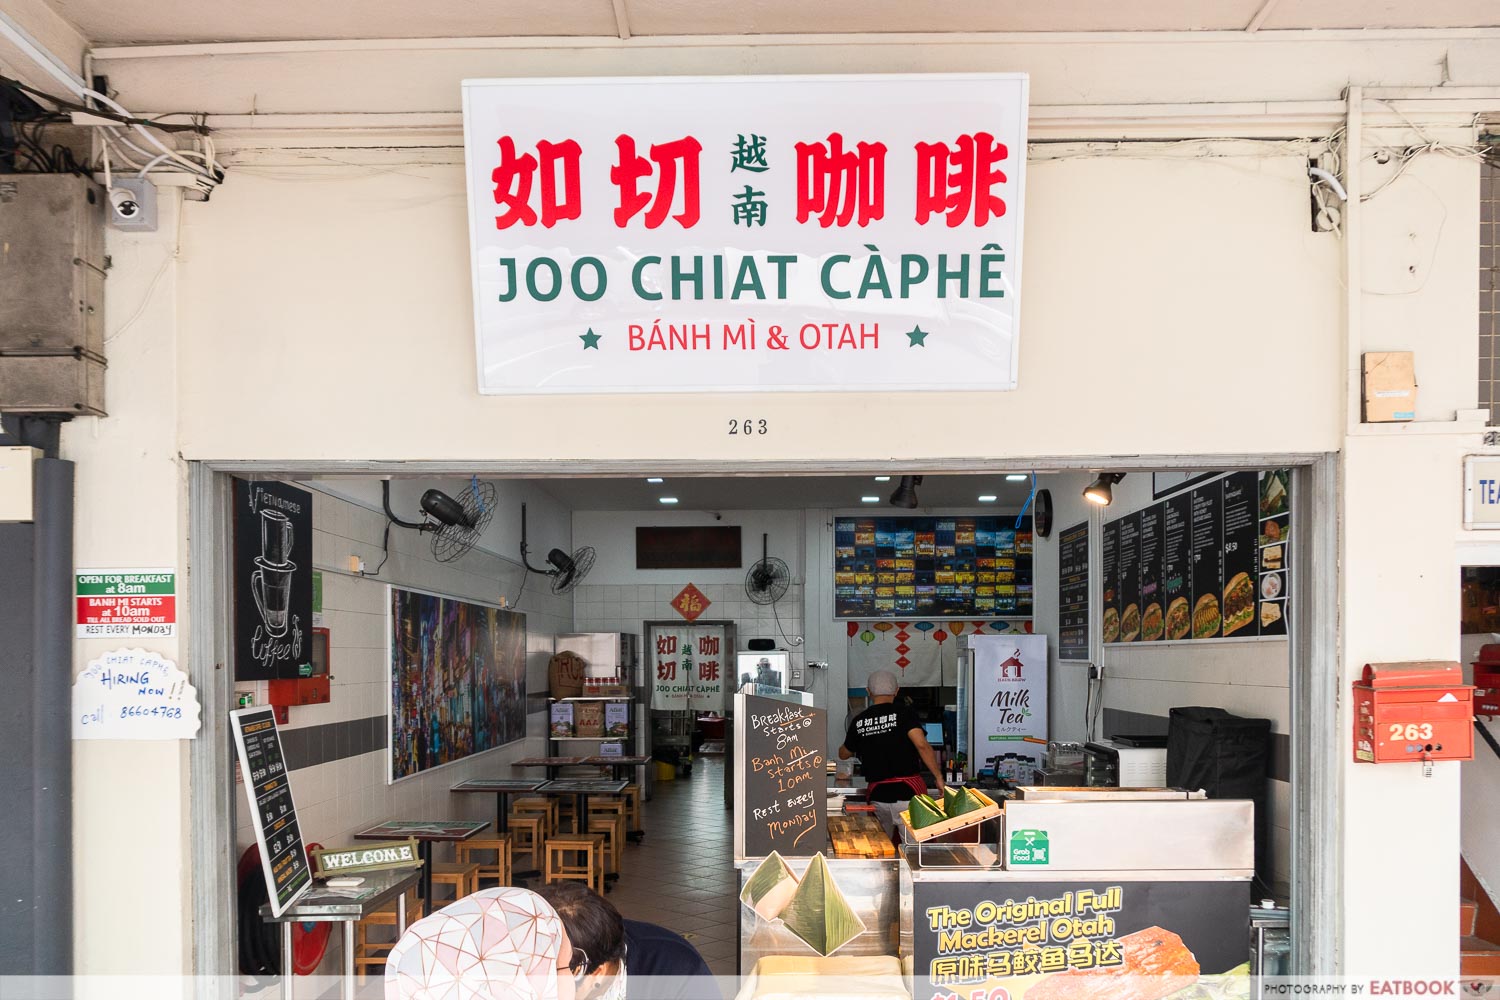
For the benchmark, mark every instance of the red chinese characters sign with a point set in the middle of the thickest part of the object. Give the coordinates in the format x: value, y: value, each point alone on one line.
x: 691, y: 603
x: 818, y: 233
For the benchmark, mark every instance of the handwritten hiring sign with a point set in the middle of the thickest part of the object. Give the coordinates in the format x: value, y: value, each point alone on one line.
x: 131, y: 694
x: 781, y: 233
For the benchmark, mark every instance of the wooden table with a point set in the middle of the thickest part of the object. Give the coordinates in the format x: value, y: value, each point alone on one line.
x: 859, y: 836
x: 550, y: 763
x: 619, y: 764
x: 425, y: 831
x: 322, y: 904
x: 581, y: 789
x: 501, y: 788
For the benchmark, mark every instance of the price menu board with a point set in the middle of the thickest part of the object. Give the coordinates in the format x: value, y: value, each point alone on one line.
x: 272, y: 812
x: 932, y: 567
x: 1073, y: 593
x: 1210, y: 562
x: 784, y: 804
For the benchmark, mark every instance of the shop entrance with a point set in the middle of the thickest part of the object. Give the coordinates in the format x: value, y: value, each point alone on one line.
x: 828, y: 624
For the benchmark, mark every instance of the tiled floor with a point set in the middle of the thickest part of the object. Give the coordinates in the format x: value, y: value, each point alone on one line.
x: 681, y: 876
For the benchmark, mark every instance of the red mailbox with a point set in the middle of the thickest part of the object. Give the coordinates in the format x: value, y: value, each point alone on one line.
x: 1420, y: 711
x: 1487, y: 681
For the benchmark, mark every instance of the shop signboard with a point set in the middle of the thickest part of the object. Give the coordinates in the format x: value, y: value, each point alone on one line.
x: 273, y: 587
x: 690, y: 662
x: 1010, y: 703
x: 992, y: 937
x: 1482, y: 491
x: 126, y: 602
x: 273, y: 814
x: 1210, y: 562
x: 785, y: 778
x: 818, y: 233
x: 1073, y: 593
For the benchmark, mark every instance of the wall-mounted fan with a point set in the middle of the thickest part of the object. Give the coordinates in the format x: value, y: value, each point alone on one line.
x: 455, y: 522
x: 566, y: 571
x: 768, y: 579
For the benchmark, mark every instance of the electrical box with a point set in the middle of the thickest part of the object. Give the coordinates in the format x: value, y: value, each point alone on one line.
x: 52, y: 268
x: 16, y: 483
x: 1487, y: 681
x: 1418, y: 711
x: 313, y: 688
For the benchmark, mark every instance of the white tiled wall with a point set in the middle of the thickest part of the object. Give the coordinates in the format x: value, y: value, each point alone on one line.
x: 340, y: 797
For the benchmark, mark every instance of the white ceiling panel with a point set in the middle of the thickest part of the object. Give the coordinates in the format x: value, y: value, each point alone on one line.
x: 738, y: 17
x: 119, y: 22
x: 1384, y: 14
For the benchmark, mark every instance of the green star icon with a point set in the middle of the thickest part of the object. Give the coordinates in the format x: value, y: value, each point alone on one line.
x: 918, y: 337
x: 590, y: 339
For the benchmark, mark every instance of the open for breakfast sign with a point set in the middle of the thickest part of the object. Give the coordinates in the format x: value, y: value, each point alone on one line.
x: 750, y: 234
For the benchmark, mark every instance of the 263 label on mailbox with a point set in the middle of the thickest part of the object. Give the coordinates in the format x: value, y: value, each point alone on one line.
x: 1030, y: 847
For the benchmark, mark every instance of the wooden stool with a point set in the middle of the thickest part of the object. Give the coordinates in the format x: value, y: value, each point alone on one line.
x: 367, y: 952
x: 527, y: 833
x: 590, y: 871
x: 633, y: 806
x: 612, y: 827
x: 542, y: 806
x: 499, y: 870
x: 463, y: 877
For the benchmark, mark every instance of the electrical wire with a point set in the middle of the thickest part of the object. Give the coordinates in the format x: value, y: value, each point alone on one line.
x: 385, y: 546
x: 784, y: 638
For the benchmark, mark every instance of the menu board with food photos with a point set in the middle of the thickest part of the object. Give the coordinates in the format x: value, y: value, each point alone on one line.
x: 1210, y: 562
x: 932, y: 567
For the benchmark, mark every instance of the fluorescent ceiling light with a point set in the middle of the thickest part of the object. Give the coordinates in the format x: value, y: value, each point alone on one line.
x: 988, y: 498
x: 655, y: 479
x: 882, y: 479
x: 869, y: 499
x: 1017, y: 477
x: 668, y: 499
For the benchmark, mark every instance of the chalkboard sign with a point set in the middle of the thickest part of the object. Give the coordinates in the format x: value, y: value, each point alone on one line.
x: 1073, y: 593
x: 786, y: 780
x: 283, y: 858
x: 273, y: 537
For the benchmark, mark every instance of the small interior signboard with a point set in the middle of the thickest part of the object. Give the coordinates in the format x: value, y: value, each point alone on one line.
x: 134, y: 694
x: 370, y: 858
x: 785, y: 778
x: 272, y: 812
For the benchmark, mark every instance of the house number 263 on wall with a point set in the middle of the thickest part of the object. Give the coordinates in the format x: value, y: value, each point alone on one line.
x: 752, y: 426
x: 1411, y: 731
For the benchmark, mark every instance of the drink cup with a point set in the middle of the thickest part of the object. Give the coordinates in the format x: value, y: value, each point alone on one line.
x: 271, y: 586
x: 275, y: 537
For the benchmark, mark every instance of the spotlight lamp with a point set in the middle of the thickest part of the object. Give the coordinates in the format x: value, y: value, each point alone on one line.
x: 1101, y: 490
x: 906, y: 492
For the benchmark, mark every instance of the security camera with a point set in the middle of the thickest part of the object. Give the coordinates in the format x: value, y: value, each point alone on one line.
x: 132, y: 204
x: 124, y: 203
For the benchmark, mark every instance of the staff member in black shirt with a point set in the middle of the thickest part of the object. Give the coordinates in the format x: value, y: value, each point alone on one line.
x: 890, y: 742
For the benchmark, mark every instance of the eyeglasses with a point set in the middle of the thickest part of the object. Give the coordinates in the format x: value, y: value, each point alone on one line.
x: 578, y: 965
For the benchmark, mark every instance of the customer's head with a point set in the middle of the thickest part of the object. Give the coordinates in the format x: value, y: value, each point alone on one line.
x: 503, y: 942
x: 594, y: 926
x: 882, y: 685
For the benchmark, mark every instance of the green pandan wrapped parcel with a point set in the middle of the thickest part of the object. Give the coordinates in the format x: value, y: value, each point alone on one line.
x: 924, y: 810
x: 770, y: 887
x: 959, y: 801
x: 819, y: 914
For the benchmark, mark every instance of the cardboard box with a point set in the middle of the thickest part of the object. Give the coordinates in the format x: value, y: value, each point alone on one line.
x: 1390, y: 387
x: 590, y: 718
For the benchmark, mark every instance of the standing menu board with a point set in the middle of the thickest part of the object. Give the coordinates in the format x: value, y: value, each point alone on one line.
x: 273, y: 588
x: 783, y: 804
x: 283, y: 857
x: 1073, y: 593
x: 932, y: 567
x: 1210, y: 562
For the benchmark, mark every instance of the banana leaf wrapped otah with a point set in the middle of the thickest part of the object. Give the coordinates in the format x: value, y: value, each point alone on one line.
x: 769, y: 889
x: 924, y: 811
x: 819, y: 914
x: 959, y: 801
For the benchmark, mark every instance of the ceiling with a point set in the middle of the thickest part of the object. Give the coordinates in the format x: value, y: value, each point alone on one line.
x: 785, y: 492
x: 119, y: 22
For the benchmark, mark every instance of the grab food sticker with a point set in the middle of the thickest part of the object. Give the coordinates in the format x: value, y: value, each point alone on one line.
x: 131, y: 694
x: 1029, y: 847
